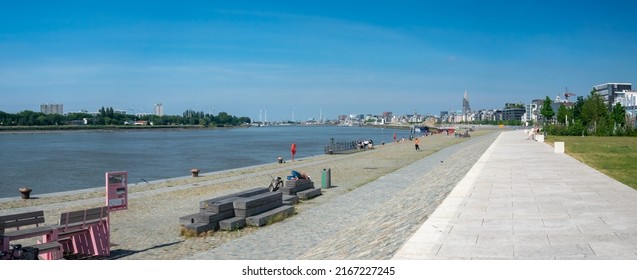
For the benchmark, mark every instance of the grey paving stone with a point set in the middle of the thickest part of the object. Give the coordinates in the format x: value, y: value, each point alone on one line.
x: 561, y: 209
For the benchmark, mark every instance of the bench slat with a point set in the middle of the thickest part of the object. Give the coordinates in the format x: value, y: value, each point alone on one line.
x: 21, y: 216
x: 78, y: 226
x: 47, y: 247
x: 29, y: 232
x: 21, y: 223
x: 21, y: 219
x: 84, y: 216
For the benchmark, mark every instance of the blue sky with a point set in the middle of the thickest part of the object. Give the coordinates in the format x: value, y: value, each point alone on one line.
x: 341, y: 57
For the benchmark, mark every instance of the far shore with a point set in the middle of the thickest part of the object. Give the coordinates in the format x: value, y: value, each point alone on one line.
x: 84, y: 128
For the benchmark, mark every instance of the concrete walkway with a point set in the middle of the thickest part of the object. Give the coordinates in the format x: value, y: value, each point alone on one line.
x: 521, y: 200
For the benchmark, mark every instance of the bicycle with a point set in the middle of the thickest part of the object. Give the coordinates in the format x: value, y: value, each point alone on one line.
x: 275, y: 184
x: 17, y: 252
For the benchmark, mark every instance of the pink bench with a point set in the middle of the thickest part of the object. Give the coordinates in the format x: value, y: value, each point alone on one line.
x: 85, y: 232
x: 28, y: 225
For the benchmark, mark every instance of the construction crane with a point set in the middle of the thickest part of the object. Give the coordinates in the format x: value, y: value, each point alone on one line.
x: 568, y: 94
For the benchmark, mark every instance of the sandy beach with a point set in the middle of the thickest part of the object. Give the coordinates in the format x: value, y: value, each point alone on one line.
x: 150, y: 229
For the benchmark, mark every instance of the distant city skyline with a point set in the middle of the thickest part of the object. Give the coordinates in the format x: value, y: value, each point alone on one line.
x: 305, y: 59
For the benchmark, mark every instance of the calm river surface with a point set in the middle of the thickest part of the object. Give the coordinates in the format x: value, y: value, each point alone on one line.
x: 54, y: 162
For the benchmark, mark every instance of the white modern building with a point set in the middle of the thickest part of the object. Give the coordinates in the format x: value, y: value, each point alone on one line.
x: 609, y: 92
x: 159, y: 109
x: 52, y: 109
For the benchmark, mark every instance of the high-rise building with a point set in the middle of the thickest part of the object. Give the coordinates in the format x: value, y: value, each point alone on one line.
x: 465, y: 104
x: 159, y: 109
x: 609, y: 92
x: 52, y: 109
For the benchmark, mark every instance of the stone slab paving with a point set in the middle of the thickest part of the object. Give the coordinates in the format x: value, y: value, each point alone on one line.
x: 369, y: 222
x: 521, y: 200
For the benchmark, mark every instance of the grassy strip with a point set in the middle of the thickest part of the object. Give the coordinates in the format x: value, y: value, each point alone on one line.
x: 613, y: 156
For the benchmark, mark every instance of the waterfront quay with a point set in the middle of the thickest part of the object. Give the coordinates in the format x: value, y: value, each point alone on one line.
x: 156, y: 207
x: 447, y: 201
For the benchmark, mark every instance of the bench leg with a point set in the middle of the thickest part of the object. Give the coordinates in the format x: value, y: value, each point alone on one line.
x: 100, y: 239
x: 52, y: 254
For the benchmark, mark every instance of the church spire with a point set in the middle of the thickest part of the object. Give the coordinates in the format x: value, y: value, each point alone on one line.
x: 465, y: 103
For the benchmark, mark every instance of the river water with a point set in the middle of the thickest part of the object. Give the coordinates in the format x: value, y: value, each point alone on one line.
x: 65, y: 161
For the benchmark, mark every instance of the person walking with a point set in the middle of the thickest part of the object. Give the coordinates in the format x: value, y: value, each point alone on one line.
x: 417, y: 144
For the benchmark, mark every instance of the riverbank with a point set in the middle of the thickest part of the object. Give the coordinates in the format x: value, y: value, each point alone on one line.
x: 149, y: 229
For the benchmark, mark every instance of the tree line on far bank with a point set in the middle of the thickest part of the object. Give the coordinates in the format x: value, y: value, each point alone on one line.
x: 109, y: 117
x: 587, y: 116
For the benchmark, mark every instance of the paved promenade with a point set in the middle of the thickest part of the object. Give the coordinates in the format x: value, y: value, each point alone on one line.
x: 523, y: 201
x: 370, y: 222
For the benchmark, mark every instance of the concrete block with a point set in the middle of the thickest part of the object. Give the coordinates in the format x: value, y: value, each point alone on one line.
x: 190, y: 219
x: 293, y: 188
x: 258, y: 209
x: 257, y: 200
x: 539, y: 138
x: 309, y: 194
x: 559, y: 147
x: 198, y: 228
x: 247, y: 193
x: 225, y: 204
x: 270, y: 216
x: 206, y: 217
x: 232, y: 223
x: 290, y: 199
x: 297, y: 183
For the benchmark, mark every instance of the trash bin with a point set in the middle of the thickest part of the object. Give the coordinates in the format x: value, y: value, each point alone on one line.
x: 326, y: 178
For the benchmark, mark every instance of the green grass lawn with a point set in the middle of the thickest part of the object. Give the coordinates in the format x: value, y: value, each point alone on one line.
x: 613, y: 156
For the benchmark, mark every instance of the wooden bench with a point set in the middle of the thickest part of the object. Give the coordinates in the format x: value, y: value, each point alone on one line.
x: 29, y: 225
x: 85, y: 231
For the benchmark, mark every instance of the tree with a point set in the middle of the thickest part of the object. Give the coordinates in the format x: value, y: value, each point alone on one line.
x: 223, y: 118
x: 547, y: 109
x: 594, y: 113
x: 562, y: 114
x: 577, y: 108
x: 619, y: 114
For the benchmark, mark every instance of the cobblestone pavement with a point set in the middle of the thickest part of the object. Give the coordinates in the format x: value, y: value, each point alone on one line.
x: 369, y: 222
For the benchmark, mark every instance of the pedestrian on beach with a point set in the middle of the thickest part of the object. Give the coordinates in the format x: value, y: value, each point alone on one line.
x: 417, y: 144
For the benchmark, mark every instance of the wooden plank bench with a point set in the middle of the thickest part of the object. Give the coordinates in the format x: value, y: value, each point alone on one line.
x: 29, y: 225
x: 85, y: 231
